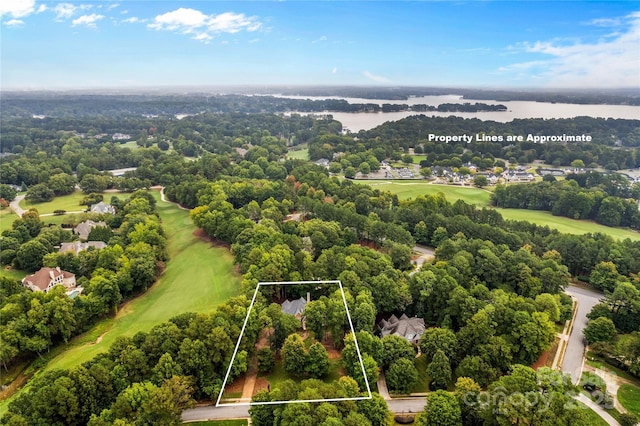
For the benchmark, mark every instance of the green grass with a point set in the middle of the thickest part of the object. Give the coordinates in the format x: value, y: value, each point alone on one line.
x: 593, y: 419
x: 70, y: 203
x: 235, y: 422
x: 423, y: 378
x: 412, y: 188
x: 6, y: 218
x: 629, y: 397
x: 197, y: 278
x: 14, y: 274
x: 406, y: 189
x: 597, y: 362
x: 301, y: 154
x: 566, y: 225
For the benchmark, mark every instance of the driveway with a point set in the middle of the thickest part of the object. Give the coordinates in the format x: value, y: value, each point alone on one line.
x: 15, y: 205
x: 574, y: 355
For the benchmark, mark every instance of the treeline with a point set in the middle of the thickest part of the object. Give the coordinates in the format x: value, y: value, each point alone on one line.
x: 613, y: 146
x: 149, y: 378
x: 566, y: 198
x: 34, y: 322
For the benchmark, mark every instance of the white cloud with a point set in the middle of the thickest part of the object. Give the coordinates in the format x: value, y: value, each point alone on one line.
x: 64, y: 10
x: 113, y: 6
x: 17, y: 8
x: 335, y: 70
x: 376, y: 78
x: 191, y: 21
x: 204, y: 37
x: 323, y: 38
x: 611, y: 61
x: 42, y: 8
x: 134, y: 20
x: 88, y: 20
x: 14, y: 23
x: 254, y: 40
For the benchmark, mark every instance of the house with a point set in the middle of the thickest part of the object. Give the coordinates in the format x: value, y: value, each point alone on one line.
x: 77, y: 246
x: 323, y: 162
x: 83, y: 229
x: 294, y: 307
x: 47, y: 278
x: 102, y: 208
x: 408, y: 328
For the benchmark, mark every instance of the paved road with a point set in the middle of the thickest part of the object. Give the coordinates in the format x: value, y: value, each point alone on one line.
x: 426, y: 254
x: 15, y: 205
x: 211, y: 412
x: 574, y: 355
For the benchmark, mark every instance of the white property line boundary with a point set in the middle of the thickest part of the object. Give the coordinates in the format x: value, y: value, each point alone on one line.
x: 246, y: 320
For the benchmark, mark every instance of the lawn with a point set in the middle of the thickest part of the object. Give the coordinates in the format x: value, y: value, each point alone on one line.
x: 423, y: 378
x: 412, y: 188
x: 593, y: 419
x: 6, y: 218
x: 629, y: 397
x: 14, y: 274
x: 70, y: 203
x: 197, y: 277
x: 302, y: 154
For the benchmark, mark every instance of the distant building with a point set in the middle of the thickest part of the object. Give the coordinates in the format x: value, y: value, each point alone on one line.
x: 77, y: 246
x: 102, y: 208
x: 323, y: 162
x: 121, y: 137
x: 47, y: 278
x: 83, y: 229
x: 410, y: 329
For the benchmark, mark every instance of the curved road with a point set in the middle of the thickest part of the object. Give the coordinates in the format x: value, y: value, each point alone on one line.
x: 15, y: 205
x: 574, y: 354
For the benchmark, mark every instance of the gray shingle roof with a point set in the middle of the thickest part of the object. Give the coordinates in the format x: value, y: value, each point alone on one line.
x: 294, y: 307
x: 409, y: 328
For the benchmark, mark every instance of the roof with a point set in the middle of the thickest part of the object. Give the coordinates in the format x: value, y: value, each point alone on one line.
x: 294, y: 307
x: 85, y: 227
x: 78, y: 246
x: 102, y: 207
x: 409, y: 328
x: 43, y: 277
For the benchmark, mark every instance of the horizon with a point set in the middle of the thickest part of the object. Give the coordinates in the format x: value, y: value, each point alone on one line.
x: 156, y: 45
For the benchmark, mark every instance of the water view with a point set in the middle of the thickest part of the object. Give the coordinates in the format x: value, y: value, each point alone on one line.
x: 515, y: 109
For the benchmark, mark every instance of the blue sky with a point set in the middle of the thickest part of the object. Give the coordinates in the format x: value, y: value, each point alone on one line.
x: 485, y: 44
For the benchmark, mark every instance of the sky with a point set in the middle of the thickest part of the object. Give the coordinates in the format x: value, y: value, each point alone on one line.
x: 478, y: 44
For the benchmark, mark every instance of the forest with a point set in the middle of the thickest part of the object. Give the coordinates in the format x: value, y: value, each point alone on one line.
x: 491, y: 300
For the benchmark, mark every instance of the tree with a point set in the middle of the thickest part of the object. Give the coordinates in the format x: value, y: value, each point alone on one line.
x: 402, y: 375
x: 396, y: 347
x: 376, y: 410
x: 350, y: 172
x: 628, y: 419
x: 605, y: 276
x: 29, y: 255
x: 439, y: 370
x: 317, y: 361
x: 442, y: 409
x: 39, y: 193
x: 601, y: 329
x: 434, y: 339
x: 577, y: 164
x: 426, y: 172
x: 266, y: 360
x: 284, y: 325
x: 480, y: 181
x: 315, y: 312
x: 294, y: 357
x: 365, y: 168
x: 7, y: 192
x: 62, y: 184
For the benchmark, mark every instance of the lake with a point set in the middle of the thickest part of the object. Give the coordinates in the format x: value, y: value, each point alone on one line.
x: 515, y: 109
